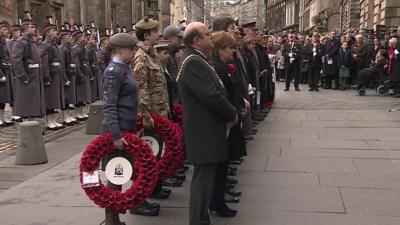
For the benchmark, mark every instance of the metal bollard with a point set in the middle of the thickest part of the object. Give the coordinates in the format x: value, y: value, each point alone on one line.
x: 94, y: 122
x: 30, y: 148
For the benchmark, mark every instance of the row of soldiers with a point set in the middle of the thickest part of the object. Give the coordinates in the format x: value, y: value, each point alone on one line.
x: 59, y: 74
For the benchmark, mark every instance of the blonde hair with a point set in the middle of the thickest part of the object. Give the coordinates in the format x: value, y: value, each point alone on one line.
x: 221, y: 40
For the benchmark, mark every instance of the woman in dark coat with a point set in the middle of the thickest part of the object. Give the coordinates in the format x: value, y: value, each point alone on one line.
x: 315, y: 52
x: 224, y: 44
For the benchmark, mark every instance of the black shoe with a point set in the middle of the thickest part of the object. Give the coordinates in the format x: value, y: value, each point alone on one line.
x: 231, y: 173
x: 224, y: 211
x: 231, y: 199
x: 146, y: 209
x: 181, y: 171
x: 233, y: 168
x: 172, y: 182
x: 255, y: 130
x: 186, y: 168
x: 166, y: 190
x: 229, y: 185
x: 297, y: 89
x: 311, y: 89
x: 232, y: 180
x: 234, y: 193
x: 179, y: 176
x: 160, y: 195
x: 286, y: 89
x: 235, y: 162
x: 248, y: 138
x: 155, y: 205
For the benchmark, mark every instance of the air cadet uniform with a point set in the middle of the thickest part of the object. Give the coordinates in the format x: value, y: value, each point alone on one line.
x: 120, y: 108
x: 53, y: 76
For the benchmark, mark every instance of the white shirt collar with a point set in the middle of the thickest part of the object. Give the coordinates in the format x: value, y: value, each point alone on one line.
x: 118, y: 60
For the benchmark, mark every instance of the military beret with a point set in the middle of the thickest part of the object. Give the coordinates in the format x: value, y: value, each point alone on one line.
x: 162, y: 44
x: 147, y: 24
x: 123, y: 40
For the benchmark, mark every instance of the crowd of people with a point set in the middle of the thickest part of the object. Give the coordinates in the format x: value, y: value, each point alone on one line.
x: 224, y: 76
x: 333, y: 60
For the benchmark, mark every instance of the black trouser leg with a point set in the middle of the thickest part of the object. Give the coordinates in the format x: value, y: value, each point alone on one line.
x: 201, y: 191
x: 2, y: 106
x: 288, y: 77
x: 218, y: 200
x: 112, y: 217
x: 296, y: 76
x: 263, y: 90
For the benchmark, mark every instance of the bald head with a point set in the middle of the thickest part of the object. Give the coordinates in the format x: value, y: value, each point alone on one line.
x: 197, y: 36
x: 192, y: 31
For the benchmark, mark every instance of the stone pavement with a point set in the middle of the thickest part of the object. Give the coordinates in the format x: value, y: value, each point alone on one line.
x: 327, y: 158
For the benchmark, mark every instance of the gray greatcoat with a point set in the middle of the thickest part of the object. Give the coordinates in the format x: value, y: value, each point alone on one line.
x: 29, y: 92
x: 83, y: 93
x: 52, y: 72
x: 69, y: 62
x: 6, y: 95
x: 94, y: 69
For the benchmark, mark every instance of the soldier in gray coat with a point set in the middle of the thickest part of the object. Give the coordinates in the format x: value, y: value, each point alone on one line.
x: 83, y: 75
x: 94, y: 68
x: 68, y: 60
x: 52, y: 72
x: 15, y: 33
x: 5, y: 75
x: 25, y: 61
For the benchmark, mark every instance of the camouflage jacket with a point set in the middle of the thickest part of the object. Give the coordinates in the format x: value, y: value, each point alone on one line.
x: 153, y: 95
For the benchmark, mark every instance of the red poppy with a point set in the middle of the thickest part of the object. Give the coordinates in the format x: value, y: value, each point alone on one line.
x: 231, y: 68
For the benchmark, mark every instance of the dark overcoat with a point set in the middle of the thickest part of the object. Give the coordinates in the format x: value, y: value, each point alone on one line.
x: 232, y: 86
x: 207, y: 110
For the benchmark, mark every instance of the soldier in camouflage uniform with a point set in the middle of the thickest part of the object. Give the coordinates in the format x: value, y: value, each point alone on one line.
x: 153, y: 96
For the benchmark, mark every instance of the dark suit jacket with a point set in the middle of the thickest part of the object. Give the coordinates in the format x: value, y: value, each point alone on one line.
x: 295, y: 50
x: 207, y: 110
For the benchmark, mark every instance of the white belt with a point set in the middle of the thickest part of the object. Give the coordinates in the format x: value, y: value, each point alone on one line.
x: 33, y: 66
x: 72, y: 65
x: 55, y: 64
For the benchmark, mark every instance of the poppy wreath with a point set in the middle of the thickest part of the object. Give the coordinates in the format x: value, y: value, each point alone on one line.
x: 171, y: 135
x: 178, y: 114
x: 144, y: 167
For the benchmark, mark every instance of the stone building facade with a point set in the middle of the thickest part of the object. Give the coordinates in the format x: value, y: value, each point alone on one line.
x: 106, y: 13
x: 379, y: 12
